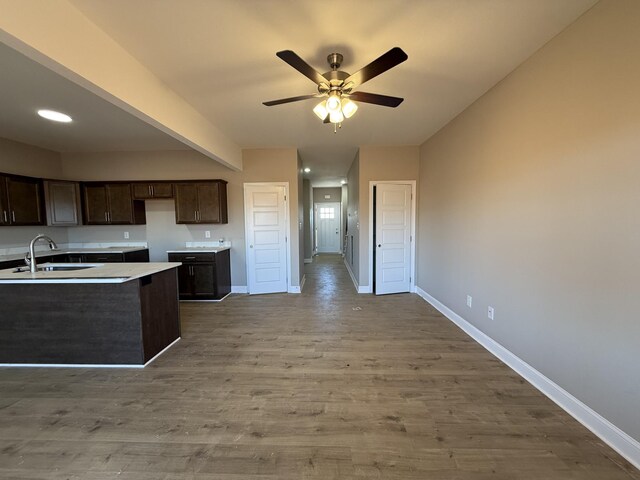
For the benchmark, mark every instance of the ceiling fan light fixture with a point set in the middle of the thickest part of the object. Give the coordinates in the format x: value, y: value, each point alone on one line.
x: 333, y: 103
x: 336, y: 117
x: 321, y: 110
x: 348, y: 108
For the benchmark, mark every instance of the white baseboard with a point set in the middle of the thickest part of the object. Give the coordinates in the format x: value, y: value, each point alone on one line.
x: 613, y: 436
x: 293, y: 289
x: 308, y: 260
x: 359, y: 289
x: 239, y: 289
x: 353, y: 278
x: 304, y: 279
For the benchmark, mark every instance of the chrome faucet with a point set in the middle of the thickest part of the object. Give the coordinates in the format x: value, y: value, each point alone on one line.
x: 30, y: 258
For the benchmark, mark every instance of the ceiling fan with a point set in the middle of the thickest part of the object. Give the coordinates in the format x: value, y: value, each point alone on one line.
x: 338, y: 86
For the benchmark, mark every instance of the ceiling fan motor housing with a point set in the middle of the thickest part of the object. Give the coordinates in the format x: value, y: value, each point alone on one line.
x: 334, y: 59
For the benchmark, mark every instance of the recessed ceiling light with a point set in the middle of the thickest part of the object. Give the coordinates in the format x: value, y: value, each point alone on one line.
x: 55, y: 116
x: 307, y: 170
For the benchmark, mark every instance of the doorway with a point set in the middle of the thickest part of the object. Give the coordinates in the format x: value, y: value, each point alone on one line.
x: 391, y: 234
x: 266, y: 233
x: 327, y: 227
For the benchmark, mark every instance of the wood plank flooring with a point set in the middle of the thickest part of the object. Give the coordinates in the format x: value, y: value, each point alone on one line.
x: 325, y: 385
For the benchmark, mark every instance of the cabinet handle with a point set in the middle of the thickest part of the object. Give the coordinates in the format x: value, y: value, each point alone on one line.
x: 195, y: 215
x: 109, y: 217
x: 6, y: 220
x: 150, y: 190
x: 106, y: 219
x: 13, y: 216
x: 189, y: 258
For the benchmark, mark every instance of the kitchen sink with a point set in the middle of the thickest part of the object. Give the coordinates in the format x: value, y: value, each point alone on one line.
x: 57, y: 267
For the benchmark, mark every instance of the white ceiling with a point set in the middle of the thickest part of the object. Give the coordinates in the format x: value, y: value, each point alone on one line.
x: 219, y: 55
x: 26, y: 87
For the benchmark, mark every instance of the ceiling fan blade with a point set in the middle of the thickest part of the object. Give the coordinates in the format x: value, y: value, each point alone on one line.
x: 303, y: 67
x: 290, y: 99
x: 376, y: 99
x: 388, y: 60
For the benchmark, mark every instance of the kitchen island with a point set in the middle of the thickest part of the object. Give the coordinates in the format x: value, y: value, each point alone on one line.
x: 115, y: 314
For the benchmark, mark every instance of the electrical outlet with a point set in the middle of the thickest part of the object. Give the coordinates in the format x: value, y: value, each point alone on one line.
x: 126, y: 235
x: 469, y: 300
x: 207, y: 234
x: 490, y: 313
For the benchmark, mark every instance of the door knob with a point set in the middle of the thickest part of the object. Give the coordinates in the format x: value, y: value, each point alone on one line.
x: 379, y: 245
x: 250, y: 246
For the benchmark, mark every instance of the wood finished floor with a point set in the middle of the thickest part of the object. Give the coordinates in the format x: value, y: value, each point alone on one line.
x: 298, y: 387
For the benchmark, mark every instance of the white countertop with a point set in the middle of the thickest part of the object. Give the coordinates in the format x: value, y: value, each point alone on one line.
x: 99, y: 273
x: 64, y: 251
x: 199, y: 250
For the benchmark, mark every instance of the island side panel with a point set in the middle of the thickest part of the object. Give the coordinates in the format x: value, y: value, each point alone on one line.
x: 71, y: 323
x: 160, y: 311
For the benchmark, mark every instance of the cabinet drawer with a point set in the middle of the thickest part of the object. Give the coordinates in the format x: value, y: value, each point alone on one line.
x: 192, y: 257
x: 103, y: 257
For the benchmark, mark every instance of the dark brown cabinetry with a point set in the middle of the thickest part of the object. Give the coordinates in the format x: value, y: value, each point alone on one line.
x: 62, y: 201
x: 201, y: 202
x: 111, y: 204
x: 203, y: 276
x: 21, y: 201
x: 146, y: 190
x: 108, y: 257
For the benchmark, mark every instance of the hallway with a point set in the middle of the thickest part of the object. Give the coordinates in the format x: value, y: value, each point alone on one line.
x: 325, y: 385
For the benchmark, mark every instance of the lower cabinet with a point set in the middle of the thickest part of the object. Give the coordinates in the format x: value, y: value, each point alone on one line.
x: 108, y: 257
x: 203, y: 276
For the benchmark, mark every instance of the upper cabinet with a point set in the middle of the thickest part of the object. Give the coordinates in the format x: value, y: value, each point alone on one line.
x: 201, y: 202
x: 146, y: 190
x: 62, y: 200
x: 21, y: 201
x: 111, y: 204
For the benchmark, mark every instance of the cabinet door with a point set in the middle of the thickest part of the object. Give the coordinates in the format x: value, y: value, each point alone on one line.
x: 146, y: 190
x: 62, y: 200
x: 162, y: 190
x: 95, y: 204
x: 4, y: 203
x: 185, y: 285
x: 186, y: 203
x: 25, y: 201
x: 203, y: 280
x: 120, y: 203
x: 142, y: 190
x: 208, y: 203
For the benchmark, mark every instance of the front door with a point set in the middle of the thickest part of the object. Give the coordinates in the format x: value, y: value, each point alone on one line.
x: 393, y: 238
x: 266, y: 233
x: 327, y: 227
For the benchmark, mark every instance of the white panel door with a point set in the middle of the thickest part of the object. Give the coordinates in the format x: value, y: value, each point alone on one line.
x: 328, y: 227
x: 393, y: 238
x: 266, y: 230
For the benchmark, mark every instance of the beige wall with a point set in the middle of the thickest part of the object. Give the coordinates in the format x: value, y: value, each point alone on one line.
x: 335, y: 194
x: 352, y: 255
x: 22, y: 159
x: 529, y: 203
x: 308, y: 223
x: 260, y: 165
x: 380, y: 164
